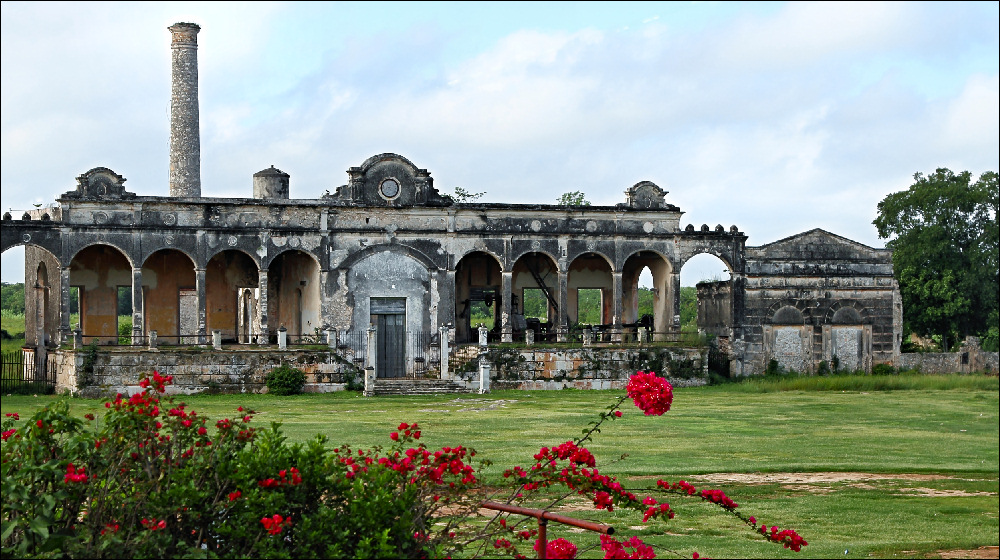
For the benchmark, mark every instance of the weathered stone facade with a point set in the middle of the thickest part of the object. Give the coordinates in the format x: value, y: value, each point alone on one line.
x: 388, y: 251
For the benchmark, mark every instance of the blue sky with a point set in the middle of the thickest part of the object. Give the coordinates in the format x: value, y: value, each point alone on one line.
x: 775, y: 117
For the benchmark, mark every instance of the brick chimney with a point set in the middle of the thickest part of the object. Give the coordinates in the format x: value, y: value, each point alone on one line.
x: 185, y: 138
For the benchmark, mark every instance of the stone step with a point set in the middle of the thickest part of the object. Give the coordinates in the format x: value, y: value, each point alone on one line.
x: 418, y: 387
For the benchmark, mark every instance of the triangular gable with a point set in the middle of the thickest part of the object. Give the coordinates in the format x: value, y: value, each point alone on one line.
x: 814, y: 243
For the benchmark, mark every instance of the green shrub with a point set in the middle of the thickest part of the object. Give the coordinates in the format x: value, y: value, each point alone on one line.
x: 823, y: 368
x: 285, y: 380
x: 883, y: 369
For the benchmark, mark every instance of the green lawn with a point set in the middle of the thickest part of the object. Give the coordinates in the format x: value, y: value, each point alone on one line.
x: 935, y: 453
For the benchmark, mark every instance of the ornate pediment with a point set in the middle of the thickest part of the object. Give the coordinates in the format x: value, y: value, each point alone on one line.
x: 101, y: 183
x: 645, y: 194
x: 390, y: 180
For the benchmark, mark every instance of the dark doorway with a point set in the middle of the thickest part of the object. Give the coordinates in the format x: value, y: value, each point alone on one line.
x: 388, y: 316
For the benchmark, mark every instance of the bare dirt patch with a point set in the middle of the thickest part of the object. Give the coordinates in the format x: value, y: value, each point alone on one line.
x: 808, y: 478
x: 981, y: 552
x: 817, y: 482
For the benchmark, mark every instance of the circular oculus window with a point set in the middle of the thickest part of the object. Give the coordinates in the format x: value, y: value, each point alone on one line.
x: 389, y: 188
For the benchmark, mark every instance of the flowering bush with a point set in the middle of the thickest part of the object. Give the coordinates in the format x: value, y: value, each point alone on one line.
x: 153, y: 478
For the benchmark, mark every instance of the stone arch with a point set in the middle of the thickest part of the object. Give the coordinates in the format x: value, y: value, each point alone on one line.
x: 294, y: 294
x: 398, y: 248
x: 232, y: 295
x: 169, y: 296
x: 723, y: 255
x: 253, y: 256
x: 478, y: 286
x: 661, y: 270
x: 787, y: 315
x: 846, y: 316
x: 514, y: 257
x: 590, y: 270
x: 538, y: 270
x: 98, y: 269
x: 126, y: 254
x: 499, y: 258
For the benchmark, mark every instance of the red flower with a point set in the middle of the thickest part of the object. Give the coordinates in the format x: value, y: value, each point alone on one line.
x: 559, y: 548
x: 233, y: 496
x: 618, y: 413
x: 394, y: 436
x: 614, y: 549
x: 275, y: 523
x: 652, y: 394
x: 202, y: 431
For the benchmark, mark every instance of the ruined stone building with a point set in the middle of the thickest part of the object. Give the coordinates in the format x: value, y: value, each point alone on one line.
x: 388, y: 250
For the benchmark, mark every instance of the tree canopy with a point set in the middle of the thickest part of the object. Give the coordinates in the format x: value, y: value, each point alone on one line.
x: 573, y: 198
x: 946, y: 252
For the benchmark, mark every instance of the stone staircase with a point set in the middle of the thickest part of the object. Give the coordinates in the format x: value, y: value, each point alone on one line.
x: 403, y: 386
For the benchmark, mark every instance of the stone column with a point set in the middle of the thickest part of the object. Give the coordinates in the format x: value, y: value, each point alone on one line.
x: 445, y: 350
x: 137, y: 311
x: 618, y: 295
x: 675, y: 288
x: 185, y: 137
x: 64, y: 297
x: 199, y: 283
x: 40, y: 350
x: 263, y: 335
x: 562, y: 320
x: 507, y: 329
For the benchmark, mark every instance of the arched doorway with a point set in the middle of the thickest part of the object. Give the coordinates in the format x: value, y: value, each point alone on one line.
x: 656, y: 311
x: 590, y: 292
x: 232, y: 296
x: 478, y: 297
x: 170, y: 297
x: 706, y: 296
x: 536, y: 283
x: 293, y: 295
x: 99, y: 271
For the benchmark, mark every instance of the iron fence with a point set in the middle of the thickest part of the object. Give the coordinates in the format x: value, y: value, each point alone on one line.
x: 18, y: 374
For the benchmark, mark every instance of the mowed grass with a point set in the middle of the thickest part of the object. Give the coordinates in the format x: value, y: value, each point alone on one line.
x: 935, y: 451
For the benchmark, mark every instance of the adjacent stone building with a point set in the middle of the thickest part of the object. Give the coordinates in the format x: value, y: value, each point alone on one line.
x: 387, y: 250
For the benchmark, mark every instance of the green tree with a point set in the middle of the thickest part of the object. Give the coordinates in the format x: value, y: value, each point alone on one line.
x: 946, y: 252
x: 574, y: 198
x: 12, y: 298
x: 462, y: 195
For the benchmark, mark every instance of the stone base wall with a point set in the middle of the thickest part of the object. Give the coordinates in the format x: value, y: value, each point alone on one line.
x: 196, y: 371
x: 586, y: 368
x: 951, y: 362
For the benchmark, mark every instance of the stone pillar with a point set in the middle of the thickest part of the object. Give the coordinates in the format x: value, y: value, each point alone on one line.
x: 64, y: 297
x: 369, y: 382
x: 199, y: 283
x: 331, y: 338
x: 529, y: 337
x: 562, y: 321
x: 372, y: 355
x: 587, y: 334
x: 137, y: 311
x: 264, y: 334
x: 152, y: 340
x: 675, y: 288
x: 185, y: 136
x: 77, y: 339
x: 617, y: 297
x: 507, y: 329
x: 282, y: 338
x: 483, y: 335
x: 40, y: 350
x: 216, y: 339
x: 445, y: 350
x: 484, y: 375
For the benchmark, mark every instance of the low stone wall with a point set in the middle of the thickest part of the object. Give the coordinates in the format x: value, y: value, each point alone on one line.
x: 195, y: 370
x: 951, y: 362
x: 587, y: 368
x: 242, y: 369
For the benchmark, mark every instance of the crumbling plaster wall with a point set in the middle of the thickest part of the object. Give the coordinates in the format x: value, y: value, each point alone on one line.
x: 818, y: 273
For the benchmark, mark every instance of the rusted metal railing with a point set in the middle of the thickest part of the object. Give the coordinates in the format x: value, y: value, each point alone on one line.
x: 544, y: 517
